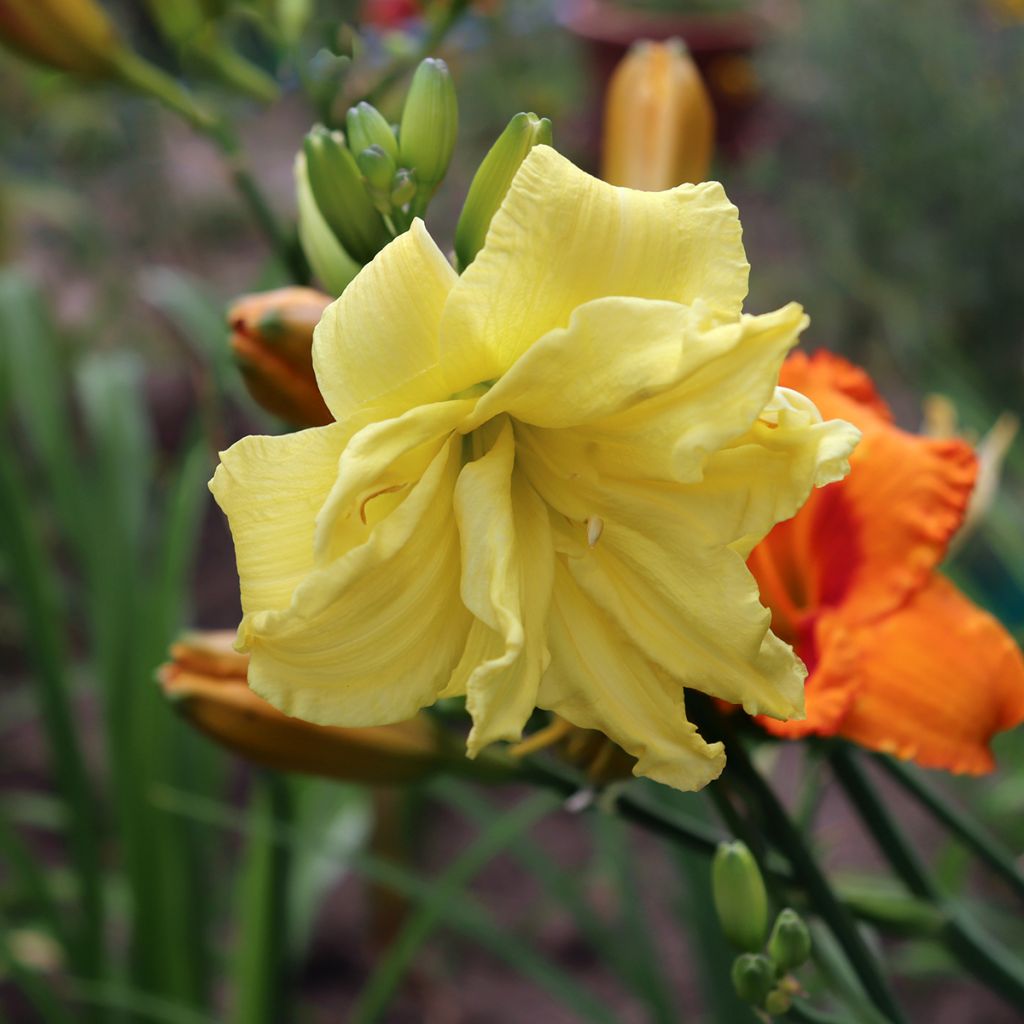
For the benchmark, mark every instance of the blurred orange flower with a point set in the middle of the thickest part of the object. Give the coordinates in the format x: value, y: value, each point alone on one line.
x: 206, y: 680
x: 272, y: 338
x: 900, y: 660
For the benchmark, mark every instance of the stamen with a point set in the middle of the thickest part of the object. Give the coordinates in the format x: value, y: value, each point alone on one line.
x: 595, y: 527
x: 377, y: 494
x: 542, y: 738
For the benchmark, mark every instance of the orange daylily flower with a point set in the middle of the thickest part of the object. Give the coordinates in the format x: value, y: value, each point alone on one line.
x: 206, y: 680
x: 900, y: 661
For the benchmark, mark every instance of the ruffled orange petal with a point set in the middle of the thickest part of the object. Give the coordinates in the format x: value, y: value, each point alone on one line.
x: 838, y: 388
x: 868, y: 542
x: 938, y: 679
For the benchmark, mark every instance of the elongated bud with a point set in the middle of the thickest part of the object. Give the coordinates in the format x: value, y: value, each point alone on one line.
x: 338, y: 189
x: 492, y: 180
x: 272, y: 338
x: 739, y: 895
x: 789, y: 944
x: 659, y: 124
x: 326, y: 255
x: 753, y: 977
x: 366, y: 126
x: 71, y: 35
x: 206, y: 680
x: 403, y: 188
x: 430, y: 122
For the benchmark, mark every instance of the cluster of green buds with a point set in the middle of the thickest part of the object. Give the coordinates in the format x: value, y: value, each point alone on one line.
x: 762, y: 973
x: 360, y: 188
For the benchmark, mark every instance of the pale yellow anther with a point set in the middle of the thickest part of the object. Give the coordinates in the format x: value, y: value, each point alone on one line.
x: 595, y: 527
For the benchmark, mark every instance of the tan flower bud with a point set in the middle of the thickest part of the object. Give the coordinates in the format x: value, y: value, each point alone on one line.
x: 206, y: 680
x: 72, y: 35
x: 659, y: 125
x: 272, y: 338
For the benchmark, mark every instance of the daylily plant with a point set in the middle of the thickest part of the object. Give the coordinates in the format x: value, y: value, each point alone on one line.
x: 543, y: 481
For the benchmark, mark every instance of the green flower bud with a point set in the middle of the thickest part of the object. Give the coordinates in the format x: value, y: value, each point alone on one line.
x: 753, y: 977
x: 328, y: 259
x: 366, y: 127
x: 777, y: 1002
x: 430, y: 121
x: 789, y: 944
x: 338, y: 187
x: 403, y: 188
x: 377, y: 168
x: 740, y: 897
x: 492, y: 180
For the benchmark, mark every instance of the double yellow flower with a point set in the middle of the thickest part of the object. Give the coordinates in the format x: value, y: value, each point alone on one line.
x: 542, y: 483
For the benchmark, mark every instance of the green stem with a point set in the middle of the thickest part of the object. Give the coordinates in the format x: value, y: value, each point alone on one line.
x: 33, y: 579
x: 378, y: 992
x: 261, y: 975
x: 284, y: 244
x: 431, y: 41
x: 784, y: 834
x: 632, y: 806
x: 976, y: 952
x: 972, y: 835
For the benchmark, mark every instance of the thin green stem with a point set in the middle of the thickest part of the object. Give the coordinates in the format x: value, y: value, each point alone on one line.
x: 32, y: 578
x: 261, y: 976
x: 433, y: 39
x: 284, y: 244
x: 786, y: 837
x: 972, y: 835
x: 976, y: 952
x: 632, y: 806
x: 383, y: 983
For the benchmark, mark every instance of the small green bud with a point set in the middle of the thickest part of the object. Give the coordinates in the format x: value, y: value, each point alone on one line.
x: 377, y: 168
x: 753, y: 977
x: 492, y: 180
x: 338, y: 187
x: 430, y: 122
x: 366, y: 127
x: 403, y: 188
x: 777, y: 1002
x: 789, y: 944
x: 740, y: 897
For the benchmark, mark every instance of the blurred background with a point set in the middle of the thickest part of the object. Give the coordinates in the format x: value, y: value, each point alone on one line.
x: 876, y: 153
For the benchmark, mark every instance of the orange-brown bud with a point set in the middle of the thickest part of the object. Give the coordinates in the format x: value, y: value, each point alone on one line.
x: 272, y: 338
x: 72, y: 35
x: 206, y: 680
x: 659, y: 124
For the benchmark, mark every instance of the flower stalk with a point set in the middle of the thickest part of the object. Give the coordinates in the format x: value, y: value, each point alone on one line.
x: 976, y: 951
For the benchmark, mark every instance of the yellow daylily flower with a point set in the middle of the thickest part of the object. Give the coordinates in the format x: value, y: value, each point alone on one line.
x: 542, y: 483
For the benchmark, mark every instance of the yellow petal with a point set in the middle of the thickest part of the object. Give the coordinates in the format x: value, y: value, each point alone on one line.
x: 379, y: 463
x: 377, y: 345
x: 598, y: 680
x: 726, y: 378
x: 373, y: 637
x: 271, y: 488
x: 668, y: 562
x: 562, y: 238
x: 507, y: 562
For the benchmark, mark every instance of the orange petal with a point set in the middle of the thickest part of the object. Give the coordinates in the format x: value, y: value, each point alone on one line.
x: 832, y: 684
x: 882, y: 531
x: 839, y: 389
x: 938, y: 679
x: 871, y: 540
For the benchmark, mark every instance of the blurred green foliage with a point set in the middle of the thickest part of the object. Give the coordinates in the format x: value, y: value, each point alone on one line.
x: 147, y: 878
